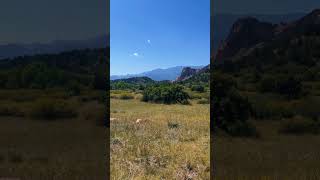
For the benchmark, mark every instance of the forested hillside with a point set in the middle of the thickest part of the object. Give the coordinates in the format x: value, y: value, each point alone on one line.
x: 83, y: 67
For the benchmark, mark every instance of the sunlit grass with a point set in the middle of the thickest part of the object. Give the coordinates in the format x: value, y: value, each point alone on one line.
x: 170, y: 141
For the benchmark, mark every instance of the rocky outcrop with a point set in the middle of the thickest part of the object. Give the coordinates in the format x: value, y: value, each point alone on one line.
x: 245, y: 33
x: 186, y: 73
x: 249, y: 32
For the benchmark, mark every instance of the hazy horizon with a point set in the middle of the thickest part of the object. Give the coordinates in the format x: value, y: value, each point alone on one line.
x: 162, y: 68
x: 43, y: 21
x: 53, y: 40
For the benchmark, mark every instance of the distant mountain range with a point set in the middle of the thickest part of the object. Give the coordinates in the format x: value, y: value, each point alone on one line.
x: 14, y: 50
x: 222, y: 23
x: 157, y: 74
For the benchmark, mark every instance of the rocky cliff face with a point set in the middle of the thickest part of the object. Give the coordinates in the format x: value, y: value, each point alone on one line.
x: 309, y: 24
x: 249, y: 32
x: 245, y: 33
x: 186, y: 73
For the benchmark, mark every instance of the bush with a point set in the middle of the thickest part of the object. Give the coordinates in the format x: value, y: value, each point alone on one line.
x: 167, y: 94
x: 230, y: 109
x: 198, y: 88
x: 49, y: 109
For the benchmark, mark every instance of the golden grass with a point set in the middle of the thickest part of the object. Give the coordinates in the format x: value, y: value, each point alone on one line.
x: 274, y: 156
x: 63, y: 149
x: 170, y: 141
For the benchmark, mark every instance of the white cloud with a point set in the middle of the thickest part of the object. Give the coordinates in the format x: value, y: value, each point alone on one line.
x: 135, y: 54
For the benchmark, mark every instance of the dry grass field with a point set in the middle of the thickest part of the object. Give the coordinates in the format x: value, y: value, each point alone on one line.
x: 72, y: 148
x: 273, y: 156
x: 156, y: 141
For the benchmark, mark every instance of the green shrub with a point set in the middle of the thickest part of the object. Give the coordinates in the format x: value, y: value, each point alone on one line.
x: 124, y: 86
x: 230, y: 109
x: 53, y: 109
x: 167, y: 94
x: 198, y: 88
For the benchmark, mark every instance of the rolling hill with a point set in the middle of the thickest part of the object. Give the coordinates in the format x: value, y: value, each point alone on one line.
x: 157, y: 74
x: 54, y: 47
x: 87, y: 67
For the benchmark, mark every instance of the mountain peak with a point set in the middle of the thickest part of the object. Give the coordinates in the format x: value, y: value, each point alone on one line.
x: 244, y: 33
x: 316, y: 12
x: 186, y: 73
x: 189, y: 72
x: 311, y: 18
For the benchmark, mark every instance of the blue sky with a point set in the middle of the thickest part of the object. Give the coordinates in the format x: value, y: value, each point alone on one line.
x: 150, y: 34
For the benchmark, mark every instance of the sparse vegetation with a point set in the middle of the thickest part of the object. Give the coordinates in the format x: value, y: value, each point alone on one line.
x: 126, y: 96
x: 169, y: 141
x: 161, y: 133
x: 300, y: 126
x: 53, y: 109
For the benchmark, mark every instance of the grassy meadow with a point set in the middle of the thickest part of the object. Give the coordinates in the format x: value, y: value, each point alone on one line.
x: 286, y: 146
x: 271, y: 156
x: 158, y: 141
x: 48, y: 134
